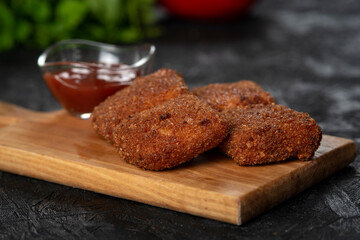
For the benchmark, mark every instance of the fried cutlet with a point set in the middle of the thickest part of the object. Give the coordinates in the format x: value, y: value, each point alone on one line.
x: 269, y: 133
x: 169, y: 134
x: 222, y: 96
x: 144, y: 93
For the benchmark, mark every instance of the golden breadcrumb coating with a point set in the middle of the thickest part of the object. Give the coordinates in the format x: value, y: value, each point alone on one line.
x: 222, y: 96
x: 169, y: 134
x: 269, y: 133
x: 144, y: 93
x: 156, y: 123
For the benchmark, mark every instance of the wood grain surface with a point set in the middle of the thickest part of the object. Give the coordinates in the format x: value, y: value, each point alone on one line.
x: 59, y: 148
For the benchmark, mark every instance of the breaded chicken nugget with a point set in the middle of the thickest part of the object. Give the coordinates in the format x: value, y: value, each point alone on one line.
x: 144, y: 93
x: 169, y: 134
x: 223, y: 96
x: 263, y: 134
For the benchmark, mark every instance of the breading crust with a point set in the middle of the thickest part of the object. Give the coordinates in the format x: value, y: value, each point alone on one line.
x: 222, y: 96
x: 169, y: 134
x: 144, y: 93
x: 157, y: 124
x: 269, y: 133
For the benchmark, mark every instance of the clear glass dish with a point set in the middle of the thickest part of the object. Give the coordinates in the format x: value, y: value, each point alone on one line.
x: 81, y: 73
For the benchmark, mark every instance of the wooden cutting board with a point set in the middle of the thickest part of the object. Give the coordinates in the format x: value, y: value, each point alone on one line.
x: 59, y: 148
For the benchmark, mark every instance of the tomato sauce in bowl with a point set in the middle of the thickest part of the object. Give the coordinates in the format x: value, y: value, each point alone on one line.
x: 81, y: 73
x: 79, y: 87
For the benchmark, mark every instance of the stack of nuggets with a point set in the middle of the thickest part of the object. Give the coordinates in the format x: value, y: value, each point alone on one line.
x: 156, y: 123
x: 260, y: 131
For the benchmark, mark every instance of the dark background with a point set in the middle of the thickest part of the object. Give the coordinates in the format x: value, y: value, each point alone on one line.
x: 305, y: 53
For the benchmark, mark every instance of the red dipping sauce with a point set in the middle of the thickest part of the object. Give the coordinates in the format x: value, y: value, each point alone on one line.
x: 79, y: 87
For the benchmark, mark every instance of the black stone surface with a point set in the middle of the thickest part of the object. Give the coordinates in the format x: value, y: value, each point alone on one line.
x: 306, y: 53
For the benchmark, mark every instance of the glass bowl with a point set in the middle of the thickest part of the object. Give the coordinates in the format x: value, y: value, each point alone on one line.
x: 81, y: 73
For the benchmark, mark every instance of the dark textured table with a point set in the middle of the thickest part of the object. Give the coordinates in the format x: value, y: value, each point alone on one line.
x: 306, y: 53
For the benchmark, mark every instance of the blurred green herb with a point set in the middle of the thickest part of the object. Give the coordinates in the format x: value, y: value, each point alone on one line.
x: 38, y: 23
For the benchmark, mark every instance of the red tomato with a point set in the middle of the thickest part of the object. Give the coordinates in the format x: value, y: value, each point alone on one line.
x: 206, y: 9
